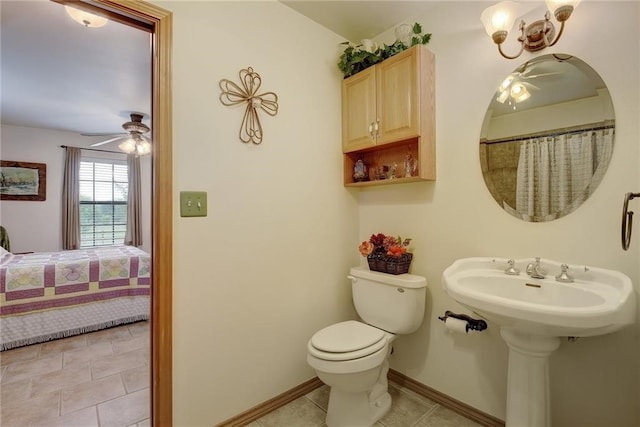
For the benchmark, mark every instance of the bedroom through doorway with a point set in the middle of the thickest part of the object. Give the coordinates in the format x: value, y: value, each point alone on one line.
x: 148, y: 270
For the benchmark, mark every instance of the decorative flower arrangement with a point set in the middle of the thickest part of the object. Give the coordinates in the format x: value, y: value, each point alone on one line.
x: 387, y: 253
x: 356, y: 58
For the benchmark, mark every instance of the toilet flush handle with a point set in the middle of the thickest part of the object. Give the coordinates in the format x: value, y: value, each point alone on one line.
x: 353, y: 279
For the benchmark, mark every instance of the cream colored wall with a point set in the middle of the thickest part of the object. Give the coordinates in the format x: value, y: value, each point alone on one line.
x: 35, y: 226
x: 594, y: 381
x: 267, y: 267
x: 253, y: 281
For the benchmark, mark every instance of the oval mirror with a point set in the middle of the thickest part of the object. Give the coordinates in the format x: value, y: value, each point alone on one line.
x: 547, y: 137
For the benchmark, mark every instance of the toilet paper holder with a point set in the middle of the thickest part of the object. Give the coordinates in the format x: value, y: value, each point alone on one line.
x: 473, y: 324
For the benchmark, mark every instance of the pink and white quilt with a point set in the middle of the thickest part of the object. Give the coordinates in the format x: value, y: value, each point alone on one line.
x: 46, y: 280
x: 41, y: 283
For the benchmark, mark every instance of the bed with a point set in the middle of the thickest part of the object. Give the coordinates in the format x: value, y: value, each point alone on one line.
x: 50, y: 295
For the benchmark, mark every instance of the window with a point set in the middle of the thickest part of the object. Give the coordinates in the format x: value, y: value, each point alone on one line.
x: 103, y: 202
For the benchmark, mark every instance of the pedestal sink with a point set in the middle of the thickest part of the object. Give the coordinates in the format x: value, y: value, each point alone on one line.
x: 533, y: 313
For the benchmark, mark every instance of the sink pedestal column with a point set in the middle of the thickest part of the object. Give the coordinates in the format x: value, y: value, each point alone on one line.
x: 528, y: 378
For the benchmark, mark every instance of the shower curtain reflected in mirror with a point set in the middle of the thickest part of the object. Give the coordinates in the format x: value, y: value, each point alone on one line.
x: 555, y: 173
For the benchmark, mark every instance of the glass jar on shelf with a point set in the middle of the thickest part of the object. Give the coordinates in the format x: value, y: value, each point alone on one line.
x: 360, y: 172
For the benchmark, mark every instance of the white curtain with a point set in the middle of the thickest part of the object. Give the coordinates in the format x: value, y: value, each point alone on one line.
x: 555, y: 173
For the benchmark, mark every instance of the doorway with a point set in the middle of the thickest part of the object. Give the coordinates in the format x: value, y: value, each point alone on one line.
x: 159, y: 22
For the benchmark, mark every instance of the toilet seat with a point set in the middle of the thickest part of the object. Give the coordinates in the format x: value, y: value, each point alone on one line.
x: 346, y: 341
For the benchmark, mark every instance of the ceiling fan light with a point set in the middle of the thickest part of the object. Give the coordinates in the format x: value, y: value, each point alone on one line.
x: 128, y: 146
x: 85, y: 18
x: 143, y: 148
x: 505, y: 84
x: 503, y: 96
x: 516, y: 89
x: 519, y: 93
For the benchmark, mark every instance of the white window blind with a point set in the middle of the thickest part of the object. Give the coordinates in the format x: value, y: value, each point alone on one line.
x: 103, y: 202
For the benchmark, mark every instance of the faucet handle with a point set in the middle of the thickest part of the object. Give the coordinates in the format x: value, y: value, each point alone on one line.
x: 511, y: 269
x: 564, y: 276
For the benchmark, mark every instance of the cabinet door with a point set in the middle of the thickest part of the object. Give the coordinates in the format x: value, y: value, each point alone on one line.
x: 398, y: 97
x: 358, y: 110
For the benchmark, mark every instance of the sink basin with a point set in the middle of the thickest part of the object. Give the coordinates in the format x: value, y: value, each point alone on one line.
x: 599, y: 301
x: 533, y: 314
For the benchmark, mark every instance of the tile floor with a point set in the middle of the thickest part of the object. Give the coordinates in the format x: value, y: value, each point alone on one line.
x: 101, y: 379
x: 97, y: 379
x: 408, y: 409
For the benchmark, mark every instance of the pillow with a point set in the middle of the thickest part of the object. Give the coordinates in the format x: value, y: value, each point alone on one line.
x: 5, y: 255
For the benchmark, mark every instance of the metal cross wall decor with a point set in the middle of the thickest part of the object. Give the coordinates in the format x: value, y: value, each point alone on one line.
x: 232, y: 94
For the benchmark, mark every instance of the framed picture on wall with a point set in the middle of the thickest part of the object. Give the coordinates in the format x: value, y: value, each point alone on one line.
x: 23, y: 181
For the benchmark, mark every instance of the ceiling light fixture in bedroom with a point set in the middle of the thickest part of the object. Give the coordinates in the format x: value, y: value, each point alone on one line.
x: 136, y: 145
x: 85, y: 18
x: 135, y: 142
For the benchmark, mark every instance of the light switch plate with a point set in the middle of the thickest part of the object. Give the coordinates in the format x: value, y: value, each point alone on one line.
x: 193, y: 203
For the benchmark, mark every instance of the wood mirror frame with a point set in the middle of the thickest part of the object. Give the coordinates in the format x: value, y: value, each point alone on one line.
x: 158, y: 22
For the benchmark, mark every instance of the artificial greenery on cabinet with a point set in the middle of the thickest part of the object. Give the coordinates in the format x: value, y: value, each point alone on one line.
x: 356, y: 58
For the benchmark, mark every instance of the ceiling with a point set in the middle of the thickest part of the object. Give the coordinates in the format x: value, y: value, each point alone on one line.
x: 57, y: 74
x: 357, y: 20
x: 549, y: 82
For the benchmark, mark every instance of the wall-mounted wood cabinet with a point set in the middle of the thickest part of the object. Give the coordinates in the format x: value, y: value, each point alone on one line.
x: 388, y: 120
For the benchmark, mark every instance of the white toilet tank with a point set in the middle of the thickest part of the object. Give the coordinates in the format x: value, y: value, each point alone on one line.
x: 389, y: 302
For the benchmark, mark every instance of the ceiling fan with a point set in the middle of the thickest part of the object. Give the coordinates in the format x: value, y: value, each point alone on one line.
x: 516, y: 87
x: 514, y: 90
x: 527, y: 73
x: 134, y: 138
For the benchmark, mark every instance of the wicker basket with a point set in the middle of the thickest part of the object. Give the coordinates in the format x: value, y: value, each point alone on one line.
x: 389, y: 264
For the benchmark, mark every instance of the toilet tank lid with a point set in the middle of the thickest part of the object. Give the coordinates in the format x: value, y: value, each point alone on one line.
x: 401, y: 280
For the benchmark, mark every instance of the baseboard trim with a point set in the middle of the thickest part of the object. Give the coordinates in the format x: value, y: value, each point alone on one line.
x: 444, y: 400
x: 264, y: 408
x: 258, y: 411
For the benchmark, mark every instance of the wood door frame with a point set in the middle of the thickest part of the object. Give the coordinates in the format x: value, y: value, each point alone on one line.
x: 158, y: 22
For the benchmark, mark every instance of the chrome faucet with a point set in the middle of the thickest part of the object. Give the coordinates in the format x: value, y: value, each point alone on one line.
x: 536, y: 270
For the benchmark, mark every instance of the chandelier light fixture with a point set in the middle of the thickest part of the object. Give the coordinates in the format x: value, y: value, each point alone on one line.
x: 499, y: 19
x: 87, y: 19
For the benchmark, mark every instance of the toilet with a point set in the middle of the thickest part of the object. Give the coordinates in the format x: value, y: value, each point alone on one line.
x: 351, y: 357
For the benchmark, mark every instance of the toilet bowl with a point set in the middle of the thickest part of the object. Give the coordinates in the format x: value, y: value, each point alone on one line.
x: 352, y: 356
